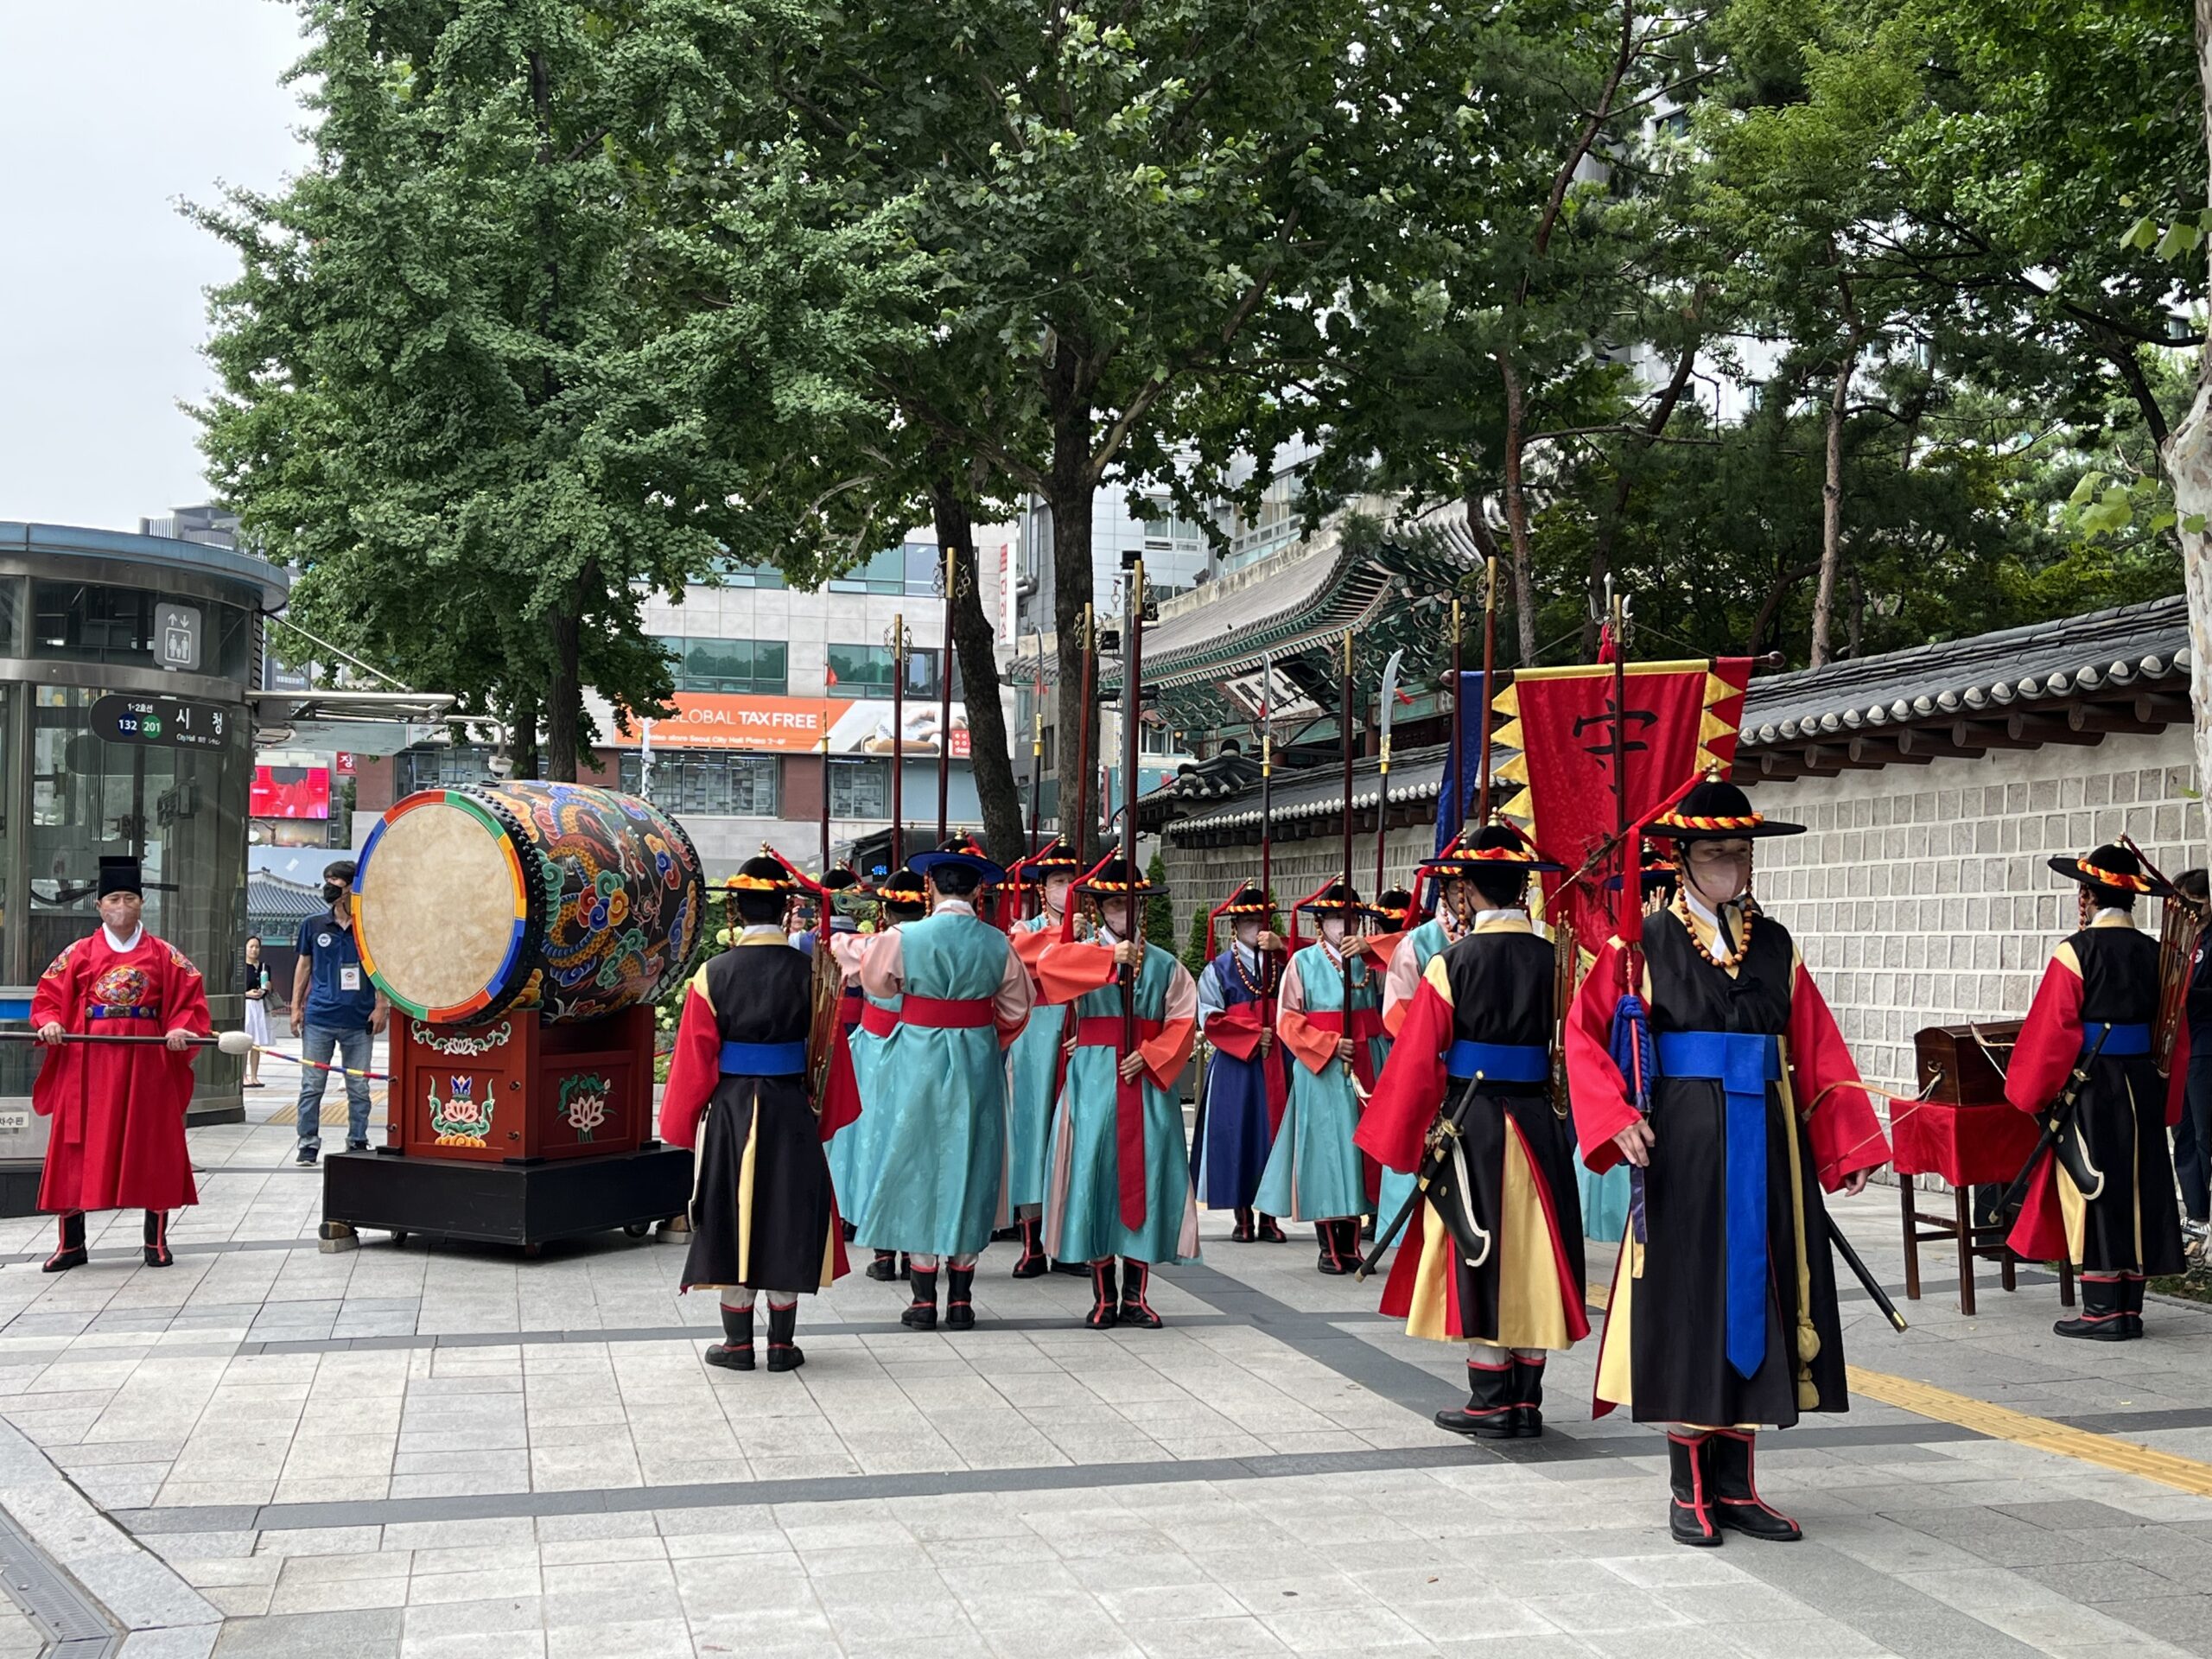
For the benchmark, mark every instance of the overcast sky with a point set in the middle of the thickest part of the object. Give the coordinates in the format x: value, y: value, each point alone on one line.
x: 114, y: 112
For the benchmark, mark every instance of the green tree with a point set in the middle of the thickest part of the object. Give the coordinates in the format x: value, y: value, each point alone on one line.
x: 1158, y: 905
x: 1196, y: 953
x: 462, y: 380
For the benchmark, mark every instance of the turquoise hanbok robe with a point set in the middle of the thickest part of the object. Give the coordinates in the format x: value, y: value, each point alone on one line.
x: 939, y: 1159
x: 1084, y: 1218
x: 1031, y: 1064
x: 1314, y: 1172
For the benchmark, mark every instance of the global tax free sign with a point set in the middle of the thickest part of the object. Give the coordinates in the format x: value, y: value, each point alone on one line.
x: 715, y: 720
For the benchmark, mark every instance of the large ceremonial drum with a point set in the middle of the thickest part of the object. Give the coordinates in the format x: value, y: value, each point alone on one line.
x: 557, y: 899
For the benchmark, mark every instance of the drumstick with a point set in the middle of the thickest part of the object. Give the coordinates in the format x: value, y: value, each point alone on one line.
x: 229, y: 1042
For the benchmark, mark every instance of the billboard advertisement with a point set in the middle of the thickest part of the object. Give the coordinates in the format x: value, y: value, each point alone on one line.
x: 715, y: 720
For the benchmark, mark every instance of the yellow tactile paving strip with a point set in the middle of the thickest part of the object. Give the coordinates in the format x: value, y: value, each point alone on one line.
x: 2002, y: 1423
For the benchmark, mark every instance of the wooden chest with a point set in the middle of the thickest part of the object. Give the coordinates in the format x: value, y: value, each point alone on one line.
x: 1964, y: 1066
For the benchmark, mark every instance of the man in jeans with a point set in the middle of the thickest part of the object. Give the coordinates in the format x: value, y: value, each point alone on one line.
x: 334, y: 1007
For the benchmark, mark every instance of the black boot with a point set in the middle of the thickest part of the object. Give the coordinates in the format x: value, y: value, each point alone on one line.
x: 1033, y: 1264
x: 845, y: 1228
x: 1528, y: 1396
x: 1736, y: 1500
x: 1689, y: 1505
x: 2101, y: 1318
x: 1489, y: 1413
x: 1073, y: 1269
x: 157, y: 1239
x: 885, y: 1268
x: 960, y: 1299
x: 1331, y: 1235
x: 1104, y: 1313
x: 1136, y: 1279
x: 1271, y: 1231
x: 69, y: 1251
x: 2130, y: 1305
x: 1242, y: 1233
x: 921, y: 1312
x: 783, y: 1354
x: 734, y: 1351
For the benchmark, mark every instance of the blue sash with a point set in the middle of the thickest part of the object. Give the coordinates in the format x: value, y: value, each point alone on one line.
x: 2120, y: 1041
x: 1498, y: 1062
x: 1743, y: 1063
x: 763, y: 1059
x: 147, y: 1011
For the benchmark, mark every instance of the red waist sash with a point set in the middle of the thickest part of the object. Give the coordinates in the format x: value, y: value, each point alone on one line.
x: 945, y: 1013
x: 1365, y: 1023
x: 1105, y: 1030
x: 877, y: 1022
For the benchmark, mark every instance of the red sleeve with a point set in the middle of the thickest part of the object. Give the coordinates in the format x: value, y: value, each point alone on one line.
x: 2051, y: 1040
x: 1395, y: 1123
x: 1594, y: 1083
x: 1067, y: 971
x: 693, y: 1071
x: 1031, y: 944
x: 2177, y: 1073
x: 1236, y: 1030
x: 184, y: 999
x: 54, y: 999
x: 1166, y: 1055
x: 1845, y: 1134
x: 1316, y: 1049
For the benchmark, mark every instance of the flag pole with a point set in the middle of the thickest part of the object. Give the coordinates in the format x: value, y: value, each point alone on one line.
x: 1490, y: 692
x: 1456, y: 814
x: 1037, y: 765
x: 898, y: 741
x: 944, y: 700
x: 1081, y: 825
x: 1343, y: 721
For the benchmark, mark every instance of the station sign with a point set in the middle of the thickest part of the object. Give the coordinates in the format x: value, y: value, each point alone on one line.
x: 162, y: 722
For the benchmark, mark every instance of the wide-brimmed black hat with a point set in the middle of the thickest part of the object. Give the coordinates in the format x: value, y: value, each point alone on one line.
x: 1111, y: 879
x: 1395, y: 905
x: 1489, y: 847
x: 1716, y: 811
x: 761, y: 874
x: 839, y: 878
x: 2111, y: 866
x: 1335, y: 899
x: 1655, y: 870
x: 1249, y: 899
x: 960, y: 851
x: 120, y: 876
x: 1054, y: 855
x: 904, y: 888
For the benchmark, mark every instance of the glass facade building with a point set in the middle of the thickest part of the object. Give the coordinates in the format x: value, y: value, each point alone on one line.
x: 125, y: 731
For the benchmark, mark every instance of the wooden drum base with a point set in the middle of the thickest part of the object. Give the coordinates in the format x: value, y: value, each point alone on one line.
x: 525, y: 1204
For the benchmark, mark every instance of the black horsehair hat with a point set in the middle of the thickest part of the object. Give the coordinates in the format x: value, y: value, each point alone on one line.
x: 1336, y: 896
x: 760, y: 874
x: 2111, y: 866
x: 1492, y: 847
x: 903, y: 889
x: 1716, y: 811
x: 962, y: 852
x: 120, y: 876
x: 1248, y: 901
x: 1111, y: 880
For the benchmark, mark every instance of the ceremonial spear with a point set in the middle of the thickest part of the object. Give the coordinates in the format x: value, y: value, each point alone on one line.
x: 944, y: 700
x: 1382, y: 780
x: 1088, y: 646
x: 1344, y: 722
x: 1036, y: 766
x: 1490, y: 670
x: 898, y: 740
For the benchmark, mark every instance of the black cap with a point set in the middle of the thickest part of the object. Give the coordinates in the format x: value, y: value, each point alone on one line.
x: 120, y: 876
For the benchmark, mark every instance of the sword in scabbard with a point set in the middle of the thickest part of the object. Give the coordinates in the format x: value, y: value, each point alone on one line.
x: 1860, y: 1271
x: 2056, y: 1119
x: 1443, y: 1139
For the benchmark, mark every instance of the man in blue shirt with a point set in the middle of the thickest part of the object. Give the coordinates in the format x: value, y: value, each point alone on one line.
x: 334, y: 1007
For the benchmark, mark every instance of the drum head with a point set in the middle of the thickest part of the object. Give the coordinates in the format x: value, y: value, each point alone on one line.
x: 441, y: 905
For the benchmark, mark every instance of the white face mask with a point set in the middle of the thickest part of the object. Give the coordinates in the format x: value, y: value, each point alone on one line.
x: 1247, y: 934
x: 1056, y: 892
x: 1332, y: 929
x: 1117, y: 920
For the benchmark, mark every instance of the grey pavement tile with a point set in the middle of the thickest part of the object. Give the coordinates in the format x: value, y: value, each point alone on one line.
x: 1209, y: 1638
x: 2184, y: 1621
x: 372, y: 1634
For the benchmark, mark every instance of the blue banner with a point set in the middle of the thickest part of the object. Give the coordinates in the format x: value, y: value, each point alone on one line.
x: 1474, y: 728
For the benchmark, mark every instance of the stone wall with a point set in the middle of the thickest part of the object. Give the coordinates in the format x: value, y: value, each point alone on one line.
x: 1204, y: 876
x: 1921, y: 897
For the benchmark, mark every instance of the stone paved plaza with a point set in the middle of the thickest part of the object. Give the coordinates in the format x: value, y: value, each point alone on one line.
x: 450, y: 1452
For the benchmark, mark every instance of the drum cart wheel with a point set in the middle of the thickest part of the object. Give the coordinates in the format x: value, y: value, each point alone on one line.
x: 637, y: 1230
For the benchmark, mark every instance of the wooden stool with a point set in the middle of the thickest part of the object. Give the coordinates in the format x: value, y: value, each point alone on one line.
x: 1987, y: 1242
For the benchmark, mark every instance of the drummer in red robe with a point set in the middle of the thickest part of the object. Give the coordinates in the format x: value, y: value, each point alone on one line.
x: 118, y: 1107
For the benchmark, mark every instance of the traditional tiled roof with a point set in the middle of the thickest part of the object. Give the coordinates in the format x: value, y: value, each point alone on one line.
x: 2071, y: 680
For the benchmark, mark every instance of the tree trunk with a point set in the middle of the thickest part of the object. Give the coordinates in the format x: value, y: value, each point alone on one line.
x: 522, y: 735
x: 1832, y: 503
x: 564, y: 690
x: 1516, y: 513
x: 975, y: 642
x: 1609, y: 520
x: 1068, y: 500
x: 2189, y: 463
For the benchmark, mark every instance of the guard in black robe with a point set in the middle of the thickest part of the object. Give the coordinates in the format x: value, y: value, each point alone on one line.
x: 2099, y: 996
x: 763, y: 1214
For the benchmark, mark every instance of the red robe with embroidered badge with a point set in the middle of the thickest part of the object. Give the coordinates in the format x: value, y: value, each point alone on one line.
x: 118, y: 1107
